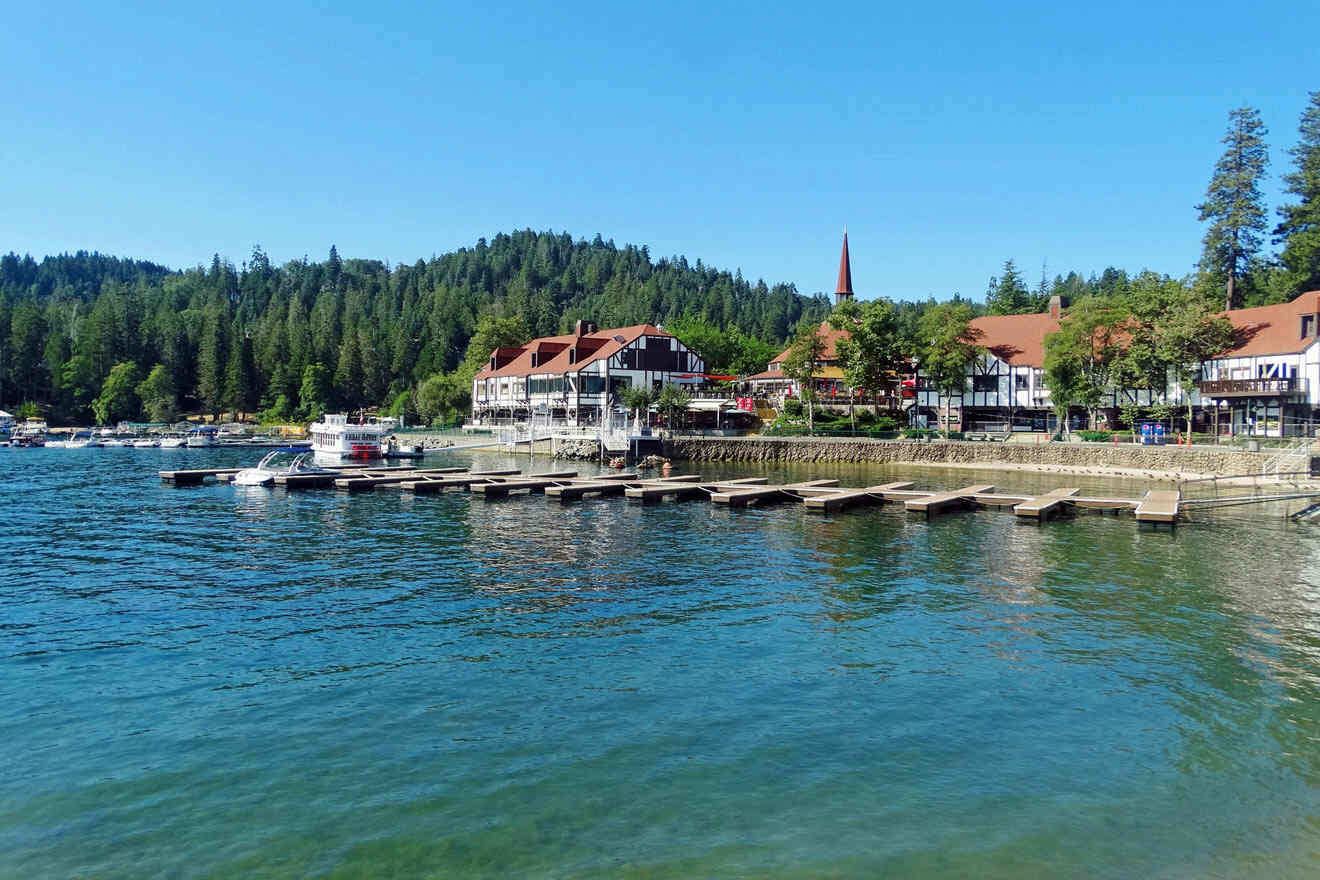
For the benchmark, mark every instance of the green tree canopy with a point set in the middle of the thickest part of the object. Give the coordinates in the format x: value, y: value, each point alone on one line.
x: 873, y: 351
x: 118, y: 399
x: 803, y: 362
x: 948, y: 348
x: 158, y: 395
x: 1234, y: 204
x: 1081, y: 356
x: 1299, y: 225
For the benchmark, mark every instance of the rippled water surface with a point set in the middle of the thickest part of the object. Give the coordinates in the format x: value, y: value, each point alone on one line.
x: 219, y: 682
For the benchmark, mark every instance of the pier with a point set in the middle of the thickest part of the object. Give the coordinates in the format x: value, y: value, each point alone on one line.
x: 1157, y: 507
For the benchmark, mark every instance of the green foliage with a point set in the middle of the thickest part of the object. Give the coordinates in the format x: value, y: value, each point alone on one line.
x: 637, y: 399
x: 314, y: 392
x: 443, y: 397
x: 376, y: 329
x: 279, y: 412
x: 27, y: 410
x: 1234, y: 204
x: 802, y: 362
x: 158, y: 395
x: 1008, y: 294
x: 874, y: 349
x: 402, y: 407
x: 1096, y: 436
x: 793, y: 408
x: 1080, y: 358
x: 118, y: 399
x: 1299, y: 225
x: 672, y: 398
x: 948, y: 347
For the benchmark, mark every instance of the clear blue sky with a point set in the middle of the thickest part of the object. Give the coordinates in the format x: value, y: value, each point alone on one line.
x: 946, y: 136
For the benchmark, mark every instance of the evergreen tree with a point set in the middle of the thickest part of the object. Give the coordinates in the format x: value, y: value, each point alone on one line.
x: 241, y: 391
x: 1008, y: 294
x: 1234, y: 204
x: 1299, y: 227
x: 212, y: 362
x: 314, y: 392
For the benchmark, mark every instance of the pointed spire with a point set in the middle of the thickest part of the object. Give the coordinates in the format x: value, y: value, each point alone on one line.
x: 844, y: 289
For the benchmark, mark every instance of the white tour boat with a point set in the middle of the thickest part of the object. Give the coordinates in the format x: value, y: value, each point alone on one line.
x: 336, y: 437
x: 288, y: 460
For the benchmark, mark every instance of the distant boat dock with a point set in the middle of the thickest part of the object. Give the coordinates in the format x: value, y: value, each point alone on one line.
x: 1157, y: 507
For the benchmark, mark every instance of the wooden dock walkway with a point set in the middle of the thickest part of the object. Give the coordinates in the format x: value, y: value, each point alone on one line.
x: 1157, y: 506
x: 941, y: 501
x: 1042, y: 507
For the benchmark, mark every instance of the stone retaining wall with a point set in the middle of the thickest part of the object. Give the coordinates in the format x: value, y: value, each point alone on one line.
x: 1174, y: 460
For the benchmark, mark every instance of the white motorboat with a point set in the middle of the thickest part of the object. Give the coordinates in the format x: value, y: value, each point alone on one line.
x: 202, y: 436
x: 286, y: 460
x: 146, y: 443
x: 335, y: 437
x: 173, y: 441
x: 82, y: 440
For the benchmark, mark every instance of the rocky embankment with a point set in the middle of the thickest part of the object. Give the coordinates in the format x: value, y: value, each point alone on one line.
x: 578, y: 450
x: 1166, y: 462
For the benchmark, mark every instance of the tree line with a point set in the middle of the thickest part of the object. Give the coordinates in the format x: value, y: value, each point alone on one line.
x: 294, y: 340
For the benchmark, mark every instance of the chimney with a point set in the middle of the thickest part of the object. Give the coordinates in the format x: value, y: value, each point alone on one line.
x: 1057, y: 305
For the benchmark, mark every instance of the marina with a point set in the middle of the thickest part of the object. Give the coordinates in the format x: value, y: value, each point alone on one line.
x: 1153, y: 508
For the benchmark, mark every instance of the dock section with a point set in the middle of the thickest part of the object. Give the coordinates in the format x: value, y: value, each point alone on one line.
x: 941, y: 501
x: 1042, y: 507
x: 1159, y: 506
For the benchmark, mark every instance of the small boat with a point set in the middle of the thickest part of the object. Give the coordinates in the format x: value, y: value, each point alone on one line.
x: 394, y: 449
x: 201, y: 437
x: 82, y: 440
x: 279, y: 462
x: 172, y: 441
x: 146, y: 443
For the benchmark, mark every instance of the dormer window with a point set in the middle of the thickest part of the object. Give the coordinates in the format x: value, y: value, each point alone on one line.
x: 1308, y: 326
x: 572, y: 355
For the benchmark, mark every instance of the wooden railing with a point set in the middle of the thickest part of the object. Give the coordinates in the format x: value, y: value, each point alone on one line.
x: 1225, y: 387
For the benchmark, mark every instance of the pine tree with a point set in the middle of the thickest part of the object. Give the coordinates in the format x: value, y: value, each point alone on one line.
x: 241, y: 391
x: 1008, y: 294
x: 1299, y: 229
x: 1234, y: 204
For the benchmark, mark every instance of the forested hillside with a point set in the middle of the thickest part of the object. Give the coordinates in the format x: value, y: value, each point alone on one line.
x: 336, y: 333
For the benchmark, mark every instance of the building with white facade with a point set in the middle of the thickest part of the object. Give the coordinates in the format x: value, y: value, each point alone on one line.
x: 577, y: 378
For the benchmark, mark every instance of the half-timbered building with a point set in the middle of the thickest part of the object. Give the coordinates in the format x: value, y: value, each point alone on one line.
x: 577, y: 377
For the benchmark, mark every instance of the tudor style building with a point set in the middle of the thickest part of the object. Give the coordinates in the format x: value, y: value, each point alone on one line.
x: 577, y: 377
x: 1268, y: 384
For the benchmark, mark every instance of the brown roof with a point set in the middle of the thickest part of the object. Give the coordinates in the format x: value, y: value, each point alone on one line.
x: 845, y: 270
x: 591, y: 347
x: 826, y: 333
x: 1273, y: 329
x: 1018, y: 340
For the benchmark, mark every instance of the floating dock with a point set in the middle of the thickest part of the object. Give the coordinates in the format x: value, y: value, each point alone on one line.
x: 1157, y: 507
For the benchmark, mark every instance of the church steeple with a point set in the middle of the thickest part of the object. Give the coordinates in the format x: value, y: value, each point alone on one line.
x: 844, y: 289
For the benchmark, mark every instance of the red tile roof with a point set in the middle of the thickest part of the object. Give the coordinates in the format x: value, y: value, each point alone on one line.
x: 1273, y: 329
x: 1018, y: 340
x: 591, y: 347
x: 828, y: 334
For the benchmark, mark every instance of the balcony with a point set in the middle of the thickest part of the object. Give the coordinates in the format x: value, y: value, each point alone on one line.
x: 1253, y: 387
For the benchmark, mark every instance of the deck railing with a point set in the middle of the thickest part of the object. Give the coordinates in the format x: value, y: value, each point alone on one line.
x: 1234, y: 387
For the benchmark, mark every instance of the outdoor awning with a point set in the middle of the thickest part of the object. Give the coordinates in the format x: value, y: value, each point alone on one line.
x: 711, y: 405
x: 716, y: 376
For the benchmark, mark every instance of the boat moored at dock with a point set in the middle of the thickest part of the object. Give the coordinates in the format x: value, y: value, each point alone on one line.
x: 336, y: 437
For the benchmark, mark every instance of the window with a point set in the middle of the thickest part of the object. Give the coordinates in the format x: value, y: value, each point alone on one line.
x: 985, y: 384
x: 1308, y: 326
x: 1020, y: 381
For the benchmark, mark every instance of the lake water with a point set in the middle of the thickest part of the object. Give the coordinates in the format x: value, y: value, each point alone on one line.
x: 221, y: 682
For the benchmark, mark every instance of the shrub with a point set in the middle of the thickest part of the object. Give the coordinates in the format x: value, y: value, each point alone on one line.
x: 1095, y: 436
x: 792, y: 407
